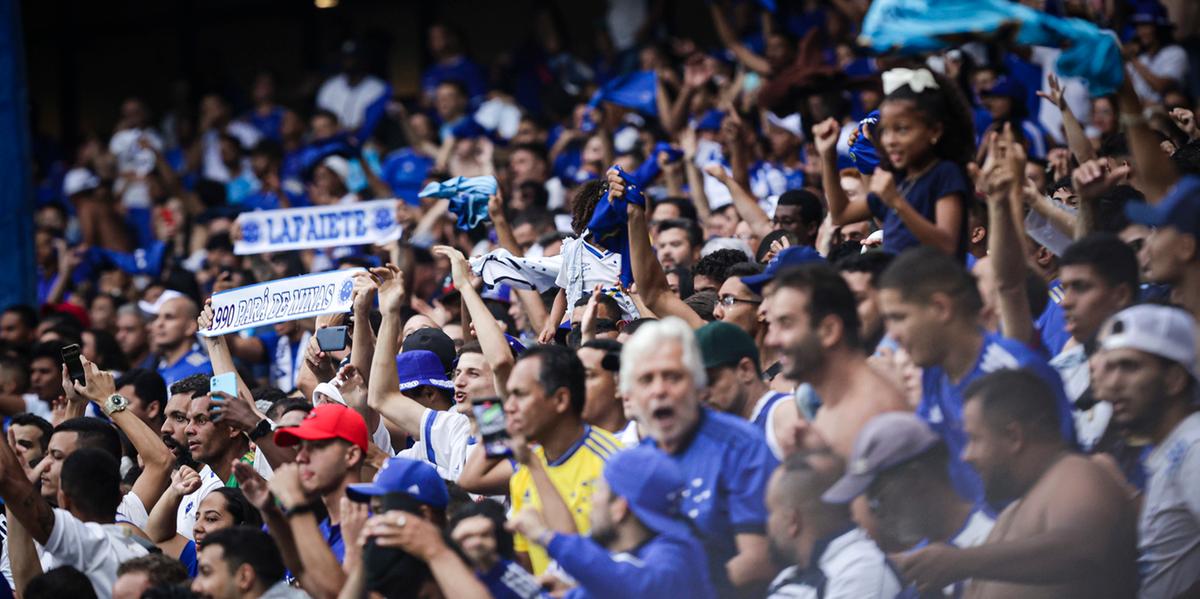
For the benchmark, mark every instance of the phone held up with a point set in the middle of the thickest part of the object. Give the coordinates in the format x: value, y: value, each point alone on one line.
x: 489, y: 415
x: 70, y: 356
x: 333, y: 338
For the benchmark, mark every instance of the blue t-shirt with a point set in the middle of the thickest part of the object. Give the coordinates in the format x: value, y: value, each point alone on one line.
x: 268, y: 125
x: 283, y: 356
x: 727, y: 465
x: 193, y: 362
x: 404, y: 171
x: 508, y: 580
x: 461, y: 69
x: 764, y: 412
x: 942, y: 403
x: 189, y: 558
x: 661, y: 567
x: 1052, y: 324
x: 333, y: 538
x: 945, y: 178
x: 772, y: 179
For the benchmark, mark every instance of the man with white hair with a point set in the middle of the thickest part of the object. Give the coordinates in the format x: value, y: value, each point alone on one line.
x: 725, y: 460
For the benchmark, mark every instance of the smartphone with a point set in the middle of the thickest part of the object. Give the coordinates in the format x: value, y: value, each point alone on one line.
x: 70, y: 356
x: 333, y: 338
x: 224, y: 383
x: 489, y: 415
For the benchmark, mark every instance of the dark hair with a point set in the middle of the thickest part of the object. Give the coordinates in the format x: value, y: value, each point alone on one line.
x: 26, y: 313
x: 94, y: 433
x: 703, y: 303
x: 63, y: 581
x: 873, y: 263
x: 269, y: 148
x: 636, y: 324
x: 536, y: 217
x: 1060, y: 183
x: 610, y: 304
x: 51, y: 350
x: 585, y: 202
x: 27, y: 419
x: 1187, y: 158
x: 196, y: 385
x: 828, y: 295
x: 325, y: 113
x: 947, y: 106
x: 716, y: 265
x: 169, y: 591
x: 91, y: 478
x: 1110, y: 208
x: 689, y: 227
x: 1008, y: 396
x: 687, y: 210
x: 147, y: 384
x: 239, y: 507
x: 108, y: 352
x: 1111, y: 259
x: 559, y: 368
x: 538, y: 151
x: 159, y: 569
x: 811, y: 210
x: 287, y: 404
x: 744, y: 269
x: 920, y: 272
x: 490, y: 509
x: 684, y: 275
x: 249, y: 545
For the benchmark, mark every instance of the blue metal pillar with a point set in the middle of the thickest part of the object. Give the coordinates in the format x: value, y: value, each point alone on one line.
x: 17, y: 270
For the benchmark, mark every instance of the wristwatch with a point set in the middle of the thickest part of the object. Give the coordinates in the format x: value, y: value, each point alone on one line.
x: 115, y: 403
x: 262, y: 429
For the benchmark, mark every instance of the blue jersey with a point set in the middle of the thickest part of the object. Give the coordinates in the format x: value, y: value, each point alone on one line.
x: 1052, y: 324
x: 727, y: 465
x: 333, y: 538
x: 284, y: 357
x: 508, y: 580
x: 193, y: 362
x: 942, y: 402
x: 664, y: 566
x: 772, y: 179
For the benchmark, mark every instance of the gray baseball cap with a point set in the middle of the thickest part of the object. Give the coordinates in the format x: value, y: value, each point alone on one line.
x: 887, y: 441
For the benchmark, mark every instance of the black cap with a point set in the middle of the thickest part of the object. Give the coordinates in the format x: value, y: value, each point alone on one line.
x: 433, y: 340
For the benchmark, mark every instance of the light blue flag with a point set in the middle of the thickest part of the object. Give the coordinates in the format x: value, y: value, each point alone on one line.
x: 919, y: 26
x: 468, y: 197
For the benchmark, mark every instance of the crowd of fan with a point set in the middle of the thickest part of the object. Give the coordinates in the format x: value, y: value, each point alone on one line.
x: 964, y: 367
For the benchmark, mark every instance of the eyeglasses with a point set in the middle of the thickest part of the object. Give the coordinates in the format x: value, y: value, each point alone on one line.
x: 728, y: 301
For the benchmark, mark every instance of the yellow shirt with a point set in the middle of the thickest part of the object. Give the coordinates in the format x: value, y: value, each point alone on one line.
x: 573, y: 475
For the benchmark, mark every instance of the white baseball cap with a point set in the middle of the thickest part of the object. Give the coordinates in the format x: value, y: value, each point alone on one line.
x: 1164, y: 331
x: 79, y: 180
x: 153, y: 308
x: 790, y: 123
x: 340, y: 167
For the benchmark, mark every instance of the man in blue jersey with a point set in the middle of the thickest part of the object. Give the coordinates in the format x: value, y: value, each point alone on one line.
x: 724, y: 458
x: 931, y: 306
x: 640, y: 546
x: 173, y: 337
x: 735, y: 384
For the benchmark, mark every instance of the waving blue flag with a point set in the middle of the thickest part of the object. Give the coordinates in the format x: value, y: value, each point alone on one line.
x: 635, y: 90
x: 468, y: 197
x: 919, y: 26
x: 608, y: 224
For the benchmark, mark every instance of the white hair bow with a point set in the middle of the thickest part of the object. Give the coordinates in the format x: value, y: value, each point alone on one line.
x: 918, y: 80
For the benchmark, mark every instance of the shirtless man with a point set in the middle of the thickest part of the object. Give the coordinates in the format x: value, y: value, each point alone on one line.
x: 813, y: 325
x: 1069, y: 529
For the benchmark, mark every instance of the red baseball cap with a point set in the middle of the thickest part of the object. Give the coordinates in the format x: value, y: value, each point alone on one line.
x: 326, y: 421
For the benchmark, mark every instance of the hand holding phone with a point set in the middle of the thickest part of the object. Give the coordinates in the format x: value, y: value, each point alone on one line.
x: 224, y: 383
x: 333, y: 338
x: 70, y: 355
x: 489, y: 416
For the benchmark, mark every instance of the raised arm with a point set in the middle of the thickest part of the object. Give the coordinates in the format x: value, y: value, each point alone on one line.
x: 1005, y: 238
x: 160, y: 526
x: 487, y: 329
x: 362, y: 349
x: 158, y: 460
x: 746, y: 205
x: 383, y: 393
x: 1155, y: 174
x: 841, y: 210
x: 1077, y: 139
x: 531, y: 300
x: 322, y: 575
x: 1091, y: 181
x: 744, y: 55
x: 647, y: 272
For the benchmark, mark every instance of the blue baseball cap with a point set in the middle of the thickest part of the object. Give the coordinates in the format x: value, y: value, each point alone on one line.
x: 402, y: 475
x: 653, y: 485
x: 1150, y: 12
x: 1005, y: 87
x: 421, y: 367
x: 789, y: 257
x: 710, y: 121
x: 1179, y: 209
x: 499, y: 293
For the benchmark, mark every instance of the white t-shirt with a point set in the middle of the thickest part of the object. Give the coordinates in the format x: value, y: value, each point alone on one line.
x: 1170, y: 62
x: 348, y: 102
x: 132, y: 510
x: 1169, y: 525
x: 185, y: 518
x: 5, y: 563
x: 1090, y: 424
x: 629, y: 436
x: 94, y: 549
x: 852, y: 567
x: 442, y: 442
